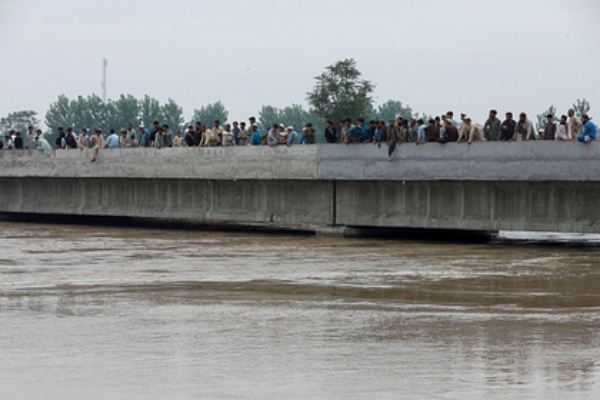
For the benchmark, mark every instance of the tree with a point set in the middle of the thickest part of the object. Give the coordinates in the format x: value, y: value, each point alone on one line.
x: 60, y: 114
x: 541, y: 118
x: 340, y: 93
x: 392, y: 109
x: 19, y: 121
x: 126, y: 111
x: 294, y: 115
x: 207, y: 115
x: 267, y: 116
x: 172, y: 115
x: 581, y: 107
x: 149, y: 111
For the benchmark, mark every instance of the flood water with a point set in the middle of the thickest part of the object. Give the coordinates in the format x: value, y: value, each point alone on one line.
x: 125, y: 313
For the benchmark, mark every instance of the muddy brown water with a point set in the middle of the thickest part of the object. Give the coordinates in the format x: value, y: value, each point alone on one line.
x: 124, y: 313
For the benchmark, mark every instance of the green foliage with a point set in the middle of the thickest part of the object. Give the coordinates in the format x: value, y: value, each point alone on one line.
x: 341, y: 93
x: 208, y: 114
x: 172, y: 115
x: 125, y: 111
x: 392, y: 109
x: 582, y: 106
x: 541, y: 118
x: 149, y: 111
x: 294, y: 115
x: 60, y: 114
x: 19, y: 121
x: 92, y: 113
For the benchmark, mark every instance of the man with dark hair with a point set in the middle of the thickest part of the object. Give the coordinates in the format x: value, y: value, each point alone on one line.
x: 236, y: 132
x: 420, y: 131
x: 18, y: 141
x: 198, y: 134
x: 450, y: 132
x: 330, y: 132
x: 382, y: 133
x: 525, y: 129
x: 243, y: 135
x: 469, y: 132
x: 491, y: 129
x: 155, y: 129
x: 70, y: 141
x: 60, y: 138
x: 189, y: 137
x: 432, y: 131
x: 357, y: 134
x: 589, y: 130
x: 562, y: 132
x: 29, y: 139
x: 167, y: 136
x: 550, y: 128
x: 309, y: 134
x: 508, y: 128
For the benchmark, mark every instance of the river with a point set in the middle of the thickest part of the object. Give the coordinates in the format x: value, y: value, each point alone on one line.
x: 138, y: 313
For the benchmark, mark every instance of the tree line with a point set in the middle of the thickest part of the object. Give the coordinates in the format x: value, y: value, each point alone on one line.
x: 339, y: 92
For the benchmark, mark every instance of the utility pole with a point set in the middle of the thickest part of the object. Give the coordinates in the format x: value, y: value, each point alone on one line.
x: 104, y: 65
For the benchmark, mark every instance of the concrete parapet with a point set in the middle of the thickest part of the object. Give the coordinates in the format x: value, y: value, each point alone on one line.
x: 514, y: 161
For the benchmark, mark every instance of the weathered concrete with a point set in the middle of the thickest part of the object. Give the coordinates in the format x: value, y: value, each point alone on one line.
x: 515, y: 161
x: 537, y: 186
x: 280, y: 202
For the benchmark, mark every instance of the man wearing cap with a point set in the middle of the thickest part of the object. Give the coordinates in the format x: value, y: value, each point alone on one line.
x: 525, y: 129
x: 589, y: 130
x: 123, y: 138
x: 574, y: 124
x: 550, y: 128
x: 469, y: 132
x: 293, y: 136
x: 491, y: 129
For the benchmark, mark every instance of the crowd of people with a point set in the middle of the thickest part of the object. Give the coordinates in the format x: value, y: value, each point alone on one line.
x: 444, y: 129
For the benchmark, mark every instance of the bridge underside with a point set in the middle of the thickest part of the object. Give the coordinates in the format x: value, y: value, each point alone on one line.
x: 446, y: 205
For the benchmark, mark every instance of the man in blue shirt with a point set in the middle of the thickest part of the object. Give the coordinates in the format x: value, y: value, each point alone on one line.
x: 112, y: 141
x: 256, y: 138
x: 144, y: 136
x: 589, y: 130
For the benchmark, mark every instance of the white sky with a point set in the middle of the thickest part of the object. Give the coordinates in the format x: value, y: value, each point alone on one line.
x: 435, y: 55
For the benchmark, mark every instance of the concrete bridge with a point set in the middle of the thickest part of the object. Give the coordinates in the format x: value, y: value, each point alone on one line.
x: 532, y: 186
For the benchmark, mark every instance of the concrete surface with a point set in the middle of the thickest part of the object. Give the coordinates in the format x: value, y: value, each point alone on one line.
x: 514, y: 161
x: 537, y: 186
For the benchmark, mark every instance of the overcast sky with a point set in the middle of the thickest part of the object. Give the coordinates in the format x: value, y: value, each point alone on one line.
x: 435, y: 55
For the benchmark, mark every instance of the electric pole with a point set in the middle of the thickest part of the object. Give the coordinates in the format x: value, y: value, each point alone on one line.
x: 104, y: 65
